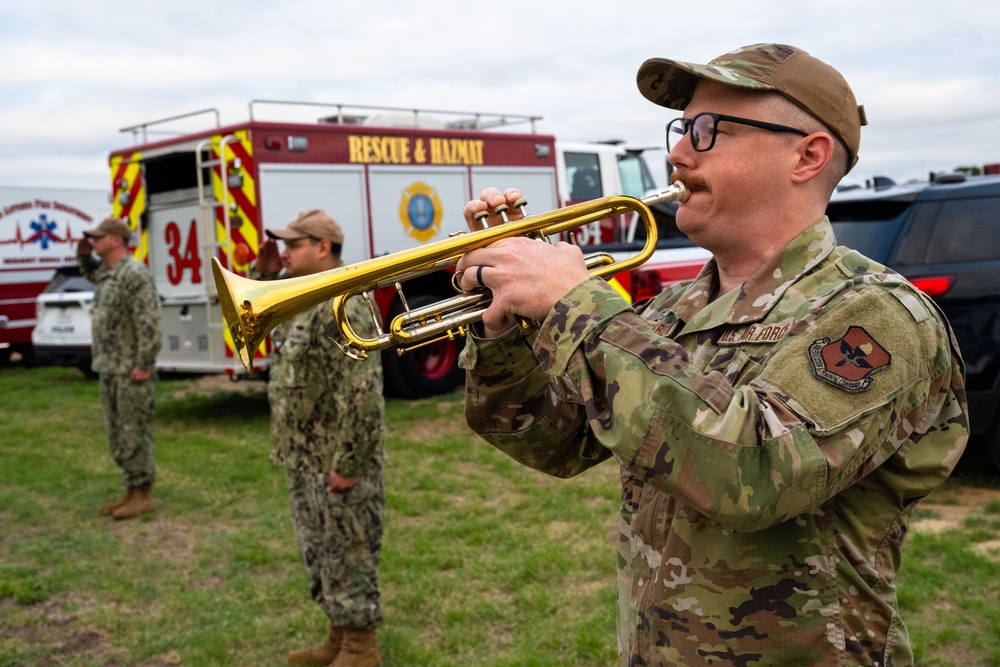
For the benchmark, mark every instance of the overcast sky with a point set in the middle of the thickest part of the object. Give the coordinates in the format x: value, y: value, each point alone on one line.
x: 73, y: 73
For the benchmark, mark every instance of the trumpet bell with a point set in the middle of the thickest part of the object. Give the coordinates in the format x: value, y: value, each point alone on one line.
x: 242, y: 323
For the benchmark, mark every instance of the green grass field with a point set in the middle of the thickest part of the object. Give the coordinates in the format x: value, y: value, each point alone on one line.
x: 484, y: 563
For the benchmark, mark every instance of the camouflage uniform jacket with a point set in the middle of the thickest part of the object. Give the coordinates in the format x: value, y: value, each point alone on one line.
x: 125, y: 316
x: 773, y: 443
x: 327, y: 410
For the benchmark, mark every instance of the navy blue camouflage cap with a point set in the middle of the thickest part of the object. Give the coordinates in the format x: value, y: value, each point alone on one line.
x: 809, y: 82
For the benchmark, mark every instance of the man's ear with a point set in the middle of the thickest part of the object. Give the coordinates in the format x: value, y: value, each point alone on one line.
x: 324, y: 247
x: 815, y: 152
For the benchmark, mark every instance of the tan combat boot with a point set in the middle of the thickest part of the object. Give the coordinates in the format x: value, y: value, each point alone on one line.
x: 321, y: 655
x: 140, y: 503
x: 109, y: 508
x: 359, y: 650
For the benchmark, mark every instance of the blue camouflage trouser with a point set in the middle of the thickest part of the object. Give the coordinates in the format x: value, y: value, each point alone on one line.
x: 340, y: 539
x: 128, y: 420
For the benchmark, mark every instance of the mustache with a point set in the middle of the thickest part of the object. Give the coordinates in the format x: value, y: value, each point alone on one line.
x: 693, y: 182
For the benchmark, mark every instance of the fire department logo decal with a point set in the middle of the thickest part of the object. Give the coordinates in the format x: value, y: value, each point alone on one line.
x: 850, y: 361
x: 420, y: 211
x: 43, y: 229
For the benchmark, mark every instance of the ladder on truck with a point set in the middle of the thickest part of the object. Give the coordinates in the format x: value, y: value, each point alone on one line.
x: 209, y: 155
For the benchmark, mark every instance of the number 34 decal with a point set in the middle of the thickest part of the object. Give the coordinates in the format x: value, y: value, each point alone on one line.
x: 182, y: 260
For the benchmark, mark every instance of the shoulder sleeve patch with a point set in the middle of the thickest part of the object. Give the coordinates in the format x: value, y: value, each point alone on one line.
x: 857, y: 356
x: 849, y: 361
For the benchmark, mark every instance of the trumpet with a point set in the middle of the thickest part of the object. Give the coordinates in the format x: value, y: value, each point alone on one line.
x: 252, y: 308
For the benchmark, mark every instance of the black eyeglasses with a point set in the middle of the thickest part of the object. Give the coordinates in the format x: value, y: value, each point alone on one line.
x: 704, y: 126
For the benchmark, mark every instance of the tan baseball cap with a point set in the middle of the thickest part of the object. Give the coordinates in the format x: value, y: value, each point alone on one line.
x: 809, y: 82
x: 113, y: 226
x: 315, y: 223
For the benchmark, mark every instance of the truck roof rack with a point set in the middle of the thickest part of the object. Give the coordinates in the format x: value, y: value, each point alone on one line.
x: 143, y: 128
x: 361, y: 114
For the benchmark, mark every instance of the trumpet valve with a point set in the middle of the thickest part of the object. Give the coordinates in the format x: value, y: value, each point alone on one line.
x: 501, y: 210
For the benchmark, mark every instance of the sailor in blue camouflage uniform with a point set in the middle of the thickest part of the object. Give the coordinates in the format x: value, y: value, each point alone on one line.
x: 327, y: 430
x: 776, y: 420
x: 125, y: 324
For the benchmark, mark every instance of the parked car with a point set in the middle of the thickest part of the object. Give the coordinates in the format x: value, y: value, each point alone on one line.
x: 62, y: 333
x: 944, y: 236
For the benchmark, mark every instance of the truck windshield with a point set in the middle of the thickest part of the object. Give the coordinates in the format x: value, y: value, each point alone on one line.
x: 636, y: 179
x: 66, y: 280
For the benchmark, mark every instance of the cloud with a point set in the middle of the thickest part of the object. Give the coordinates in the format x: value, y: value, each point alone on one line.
x: 75, y: 74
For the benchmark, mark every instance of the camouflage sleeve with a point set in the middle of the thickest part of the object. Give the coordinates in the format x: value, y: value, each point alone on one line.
x: 509, y: 402
x: 257, y: 274
x: 747, y: 456
x: 356, y: 388
x: 89, y: 266
x: 145, y: 304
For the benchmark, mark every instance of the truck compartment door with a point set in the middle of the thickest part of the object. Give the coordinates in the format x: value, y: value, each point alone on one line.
x: 287, y: 190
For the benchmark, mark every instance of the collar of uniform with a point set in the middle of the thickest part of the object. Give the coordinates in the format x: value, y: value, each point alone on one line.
x: 121, y: 265
x: 755, y: 298
x: 698, y: 296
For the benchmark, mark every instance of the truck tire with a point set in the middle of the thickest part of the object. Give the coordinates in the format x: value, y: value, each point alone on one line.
x: 426, y: 371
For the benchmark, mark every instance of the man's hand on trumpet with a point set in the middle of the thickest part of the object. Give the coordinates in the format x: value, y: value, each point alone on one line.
x: 527, y: 277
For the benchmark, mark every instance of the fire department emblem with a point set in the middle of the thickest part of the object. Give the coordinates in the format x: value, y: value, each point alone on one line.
x: 420, y: 211
x: 850, y: 361
x: 43, y: 232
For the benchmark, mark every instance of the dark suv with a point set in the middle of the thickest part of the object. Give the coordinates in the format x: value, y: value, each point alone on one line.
x: 944, y: 235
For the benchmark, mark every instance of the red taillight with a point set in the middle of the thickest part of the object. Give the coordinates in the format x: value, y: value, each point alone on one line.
x: 933, y: 286
x: 645, y: 285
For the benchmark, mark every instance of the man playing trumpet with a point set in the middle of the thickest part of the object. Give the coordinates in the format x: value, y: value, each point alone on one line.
x: 776, y: 420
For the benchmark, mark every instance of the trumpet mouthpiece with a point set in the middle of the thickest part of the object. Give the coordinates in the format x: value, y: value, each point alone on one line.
x: 676, y: 192
x: 682, y: 192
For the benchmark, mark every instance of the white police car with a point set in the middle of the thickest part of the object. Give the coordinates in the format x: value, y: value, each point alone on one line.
x: 62, y: 333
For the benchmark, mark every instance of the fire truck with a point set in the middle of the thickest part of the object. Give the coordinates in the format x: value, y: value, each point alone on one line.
x: 394, y: 179
x: 39, y: 230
